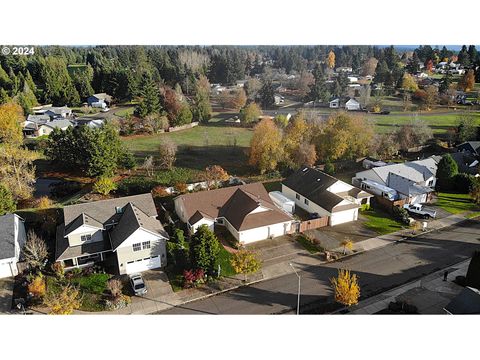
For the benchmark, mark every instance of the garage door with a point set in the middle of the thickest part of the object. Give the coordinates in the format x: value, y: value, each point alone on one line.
x: 342, y: 217
x: 5, y: 270
x: 143, y: 264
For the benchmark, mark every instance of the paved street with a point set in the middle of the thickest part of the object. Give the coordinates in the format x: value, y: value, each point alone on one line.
x: 378, y: 270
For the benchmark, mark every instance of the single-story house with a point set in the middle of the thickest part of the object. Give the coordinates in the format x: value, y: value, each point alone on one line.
x: 334, y: 103
x: 414, y: 180
x: 472, y: 147
x: 55, y: 112
x: 319, y: 193
x: 246, y: 211
x: 124, y: 231
x: 33, y: 129
x: 352, y: 105
x: 90, y: 122
x: 12, y: 240
x: 370, y: 162
x: 99, y: 98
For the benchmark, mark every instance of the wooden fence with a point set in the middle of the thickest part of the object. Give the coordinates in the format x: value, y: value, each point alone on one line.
x: 386, y: 204
x: 302, y: 226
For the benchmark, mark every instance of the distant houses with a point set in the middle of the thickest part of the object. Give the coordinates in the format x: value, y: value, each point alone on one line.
x: 97, y: 100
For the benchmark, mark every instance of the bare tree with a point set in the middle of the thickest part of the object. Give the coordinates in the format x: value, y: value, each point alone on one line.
x: 115, y: 287
x: 167, y: 153
x: 148, y: 165
x: 35, y: 251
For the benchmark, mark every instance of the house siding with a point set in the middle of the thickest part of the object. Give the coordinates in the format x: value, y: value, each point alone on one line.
x: 311, y: 207
x: 75, y: 238
x: 125, y: 251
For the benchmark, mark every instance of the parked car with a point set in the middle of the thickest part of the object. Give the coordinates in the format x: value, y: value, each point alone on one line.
x: 138, y: 285
x: 420, y: 210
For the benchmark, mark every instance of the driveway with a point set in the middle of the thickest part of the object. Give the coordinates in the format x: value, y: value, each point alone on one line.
x: 331, y: 237
x: 6, y: 295
x: 277, y: 250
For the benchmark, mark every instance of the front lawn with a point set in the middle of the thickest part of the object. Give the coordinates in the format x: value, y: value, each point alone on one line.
x: 381, y: 222
x: 307, y: 244
x: 456, y: 203
x: 224, y: 262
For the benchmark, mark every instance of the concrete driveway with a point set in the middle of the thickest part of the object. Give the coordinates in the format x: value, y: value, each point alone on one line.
x: 6, y: 295
x: 277, y: 250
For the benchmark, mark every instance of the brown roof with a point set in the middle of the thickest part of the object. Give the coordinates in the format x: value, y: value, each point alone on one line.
x: 234, y: 204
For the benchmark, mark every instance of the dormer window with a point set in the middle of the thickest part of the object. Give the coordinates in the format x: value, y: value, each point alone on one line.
x: 86, y: 237
x: 118, y: 210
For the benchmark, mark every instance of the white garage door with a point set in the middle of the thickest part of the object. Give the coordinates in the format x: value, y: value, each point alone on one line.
x: 143, y: 264
x: 5, y: 270
x: 342, y: 217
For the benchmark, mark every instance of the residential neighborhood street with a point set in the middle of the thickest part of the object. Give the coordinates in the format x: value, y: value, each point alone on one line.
x: 378, y: 270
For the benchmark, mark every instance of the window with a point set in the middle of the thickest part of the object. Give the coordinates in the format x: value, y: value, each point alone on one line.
x: 87, y: 237
x: 137, y: 247
x: 306, y: 202
x: 146, y: 245
x: 297, y: 196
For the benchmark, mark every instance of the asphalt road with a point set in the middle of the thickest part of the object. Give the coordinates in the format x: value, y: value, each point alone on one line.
x: 378, y: 270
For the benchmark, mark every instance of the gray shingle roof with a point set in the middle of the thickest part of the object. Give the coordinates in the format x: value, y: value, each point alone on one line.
x: 132, y: 219
x: 59, y: 123
x: 82, y: 219
x: 63, y: 251
x: 313, y: 184
x: 467, y: 302
x: 7, y: 236
x: 416, y: 171
x: 406, y: 186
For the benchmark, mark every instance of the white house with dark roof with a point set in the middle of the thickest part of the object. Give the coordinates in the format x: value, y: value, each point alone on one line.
x: 122, y: 229
x: 413, y: 181
x: 319, y: 193
x: 12, y: 240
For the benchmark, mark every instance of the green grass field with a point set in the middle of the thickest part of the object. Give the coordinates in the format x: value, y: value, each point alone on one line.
x: 381, y: 222
x: 200, y: 147
x: 456, y: 203
x: 124, y: 111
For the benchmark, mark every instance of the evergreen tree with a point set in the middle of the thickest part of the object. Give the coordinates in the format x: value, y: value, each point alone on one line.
x: 464, y: 57
x: 446, y: 171
x: 7, y: 203
x: 267, y: 95
x: 150, y: 103
x: 204, y: 249
x: 58, y: 86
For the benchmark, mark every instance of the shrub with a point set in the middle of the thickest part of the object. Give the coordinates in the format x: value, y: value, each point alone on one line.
x: 181, y: 187
x: 63, y: 302
x: 44, y: 203
x: 35, y: 251
x: 59, y: 270
x: 135, y: 185
x: 119, y: 302
x: 64, y: 188
x: 329, y: 168
x: 115, y: 287
x: 400, y: 214
x: 464, y: 183
x: 104, y: 186
x: 365, y: 207
x: 37, y: 286
x: 160, y: 191
x: 192, y: 278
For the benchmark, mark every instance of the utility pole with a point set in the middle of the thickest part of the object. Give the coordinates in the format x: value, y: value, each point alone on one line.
x: 298, y: 295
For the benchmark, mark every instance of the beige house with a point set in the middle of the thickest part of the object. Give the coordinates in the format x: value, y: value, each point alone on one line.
x: 123, y: 231
x: 247, y: 211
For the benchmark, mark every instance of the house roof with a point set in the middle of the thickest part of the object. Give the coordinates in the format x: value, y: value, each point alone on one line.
x: 82, y: 219
x: 7, y: 236
x: 58, y: 109
x: 102, y: 96
x: 406, y: 186
x: 472, y: 146
x: 105, y: 211
x: 313, y: 184
x: 131, y: 220
x: 467, y: 302
x: 416, y: 171
x: 38, y: 118
x: 234, y: 204
x: 63, y: 251
x: 59, y: 123
x: 465, y: 162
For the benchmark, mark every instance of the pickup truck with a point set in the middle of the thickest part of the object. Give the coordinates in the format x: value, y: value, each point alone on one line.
x: 420, y: 210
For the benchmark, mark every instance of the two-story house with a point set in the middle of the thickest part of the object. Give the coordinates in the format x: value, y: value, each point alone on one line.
x: 123, y: 229
x: 12, y: 240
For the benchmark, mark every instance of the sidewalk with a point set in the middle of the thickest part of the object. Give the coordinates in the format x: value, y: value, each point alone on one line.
x: 430, y: 294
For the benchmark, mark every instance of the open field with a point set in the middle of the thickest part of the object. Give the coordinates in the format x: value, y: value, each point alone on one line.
x: 200, y: 146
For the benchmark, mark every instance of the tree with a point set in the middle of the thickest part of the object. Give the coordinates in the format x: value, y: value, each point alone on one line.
x: 431, y: 97
x: 171, y: 103
x: 267, y: 95
x: 467, y: 82
x: 296, y: 143
x: 35, y: 250
x: 115, y: 287
x: 167, y: 153
x: 445, y: 83
x: 266, y: 146
x: 250, y: 113
x: 202, y: 109
x: 37, y: 286
x: 58, y: 85
x: 347, y: 243
x: 63, y: 302
x: 414, y: 134
x: 148, y: 165
x: 239, y: 99
x: 204, y: 249
x: 346, y: 288
x: 150, y: 98
x: 369, y: 66
x: 215, y: 174
x: 252, y: 87
x: 11, y: 116
x: 7, y: 202
x: 17, y: 172
x: 466, y: 127
x: 245, y: 262
x: 82, y: 80
x: 475, y: 192
x: 331, y: 59
x: 384, y: 146
x: 446, y: 171
x: 104, y: 186
x: 409, y: 83
x: 343, y: 136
